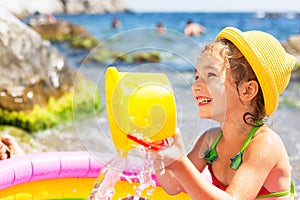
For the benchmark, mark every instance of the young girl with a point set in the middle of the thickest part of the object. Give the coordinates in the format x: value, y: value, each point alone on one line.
x: 238, y: 80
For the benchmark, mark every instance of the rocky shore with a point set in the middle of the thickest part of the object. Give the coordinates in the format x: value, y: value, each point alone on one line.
x: 21, y: 8
x: 78, y: 37
x: 38, y: 89
x: 37, y: 84
x: 292, y: 45
x: 63, y: 31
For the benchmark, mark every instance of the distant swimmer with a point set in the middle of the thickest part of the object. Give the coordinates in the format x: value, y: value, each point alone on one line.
x: 160, y: 28
x: 193, y: 29
x: 115, y: 23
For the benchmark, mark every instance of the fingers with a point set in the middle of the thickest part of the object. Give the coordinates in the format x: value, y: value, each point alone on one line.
x: 8, y: 140
x: 12, y: 146
x: 4, y: 152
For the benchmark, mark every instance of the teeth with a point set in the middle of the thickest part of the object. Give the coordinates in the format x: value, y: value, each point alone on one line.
x: 204, y: 100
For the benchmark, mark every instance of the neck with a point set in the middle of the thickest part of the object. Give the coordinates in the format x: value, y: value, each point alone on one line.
x: 235, y: 128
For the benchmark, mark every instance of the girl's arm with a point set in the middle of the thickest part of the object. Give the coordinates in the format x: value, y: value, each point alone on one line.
x: 166, y: 177
x: 186, y: 170
x: 194, y: 183
x: 168, y: 182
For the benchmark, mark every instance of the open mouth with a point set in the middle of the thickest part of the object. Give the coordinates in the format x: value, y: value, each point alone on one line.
x: 203, y: 100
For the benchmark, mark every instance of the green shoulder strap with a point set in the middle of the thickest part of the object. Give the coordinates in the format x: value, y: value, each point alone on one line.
x: 280, y: 194
x: 211, y: 155
x: 237, y: 160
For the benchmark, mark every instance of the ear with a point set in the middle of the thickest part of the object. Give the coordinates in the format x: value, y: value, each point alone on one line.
x: 248, y: 90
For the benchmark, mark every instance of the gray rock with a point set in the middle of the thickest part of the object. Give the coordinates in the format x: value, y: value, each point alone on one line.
x: 31, y: 69
x: 21, y: 8
x: 292, y: 46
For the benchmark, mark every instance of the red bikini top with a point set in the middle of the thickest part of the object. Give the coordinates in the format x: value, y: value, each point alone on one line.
x: 218, y: 184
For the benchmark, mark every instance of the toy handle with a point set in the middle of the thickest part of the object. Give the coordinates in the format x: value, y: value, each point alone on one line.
x: 152, y: 146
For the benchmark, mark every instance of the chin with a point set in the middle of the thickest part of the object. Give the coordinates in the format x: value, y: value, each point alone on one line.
x: 204, y: 115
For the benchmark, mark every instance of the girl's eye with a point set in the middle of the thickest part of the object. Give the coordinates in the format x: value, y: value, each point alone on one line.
x: 210, y: 74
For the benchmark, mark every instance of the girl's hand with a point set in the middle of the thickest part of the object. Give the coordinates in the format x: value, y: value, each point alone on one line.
x: 167, y: 157
x: 164, y: 153
x: 9, y: 147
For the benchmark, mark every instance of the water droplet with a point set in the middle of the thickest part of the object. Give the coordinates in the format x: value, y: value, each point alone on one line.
x: 18, y: 100
x: 59, y: 65
x: 30, y: 94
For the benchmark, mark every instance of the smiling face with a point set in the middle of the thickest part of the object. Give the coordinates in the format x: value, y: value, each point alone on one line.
x: 214, y: 90
x: 225, y: 86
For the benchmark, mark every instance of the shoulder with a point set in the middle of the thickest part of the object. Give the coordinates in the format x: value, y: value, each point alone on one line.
x: 204, y: 142
x: 267, y: 137
x: 267, y: 153
x: 209, y: 136
x: 266, y: 145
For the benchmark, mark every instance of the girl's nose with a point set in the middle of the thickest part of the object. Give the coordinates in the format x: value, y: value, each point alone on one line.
x: 198, y: 83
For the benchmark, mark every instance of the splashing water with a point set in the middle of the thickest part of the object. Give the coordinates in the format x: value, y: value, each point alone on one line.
x: 115, y: 170
x: 108, y: 176
x: 145, y: 176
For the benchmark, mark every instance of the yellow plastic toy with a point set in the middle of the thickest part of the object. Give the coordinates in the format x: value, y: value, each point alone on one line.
x: 141, y: 109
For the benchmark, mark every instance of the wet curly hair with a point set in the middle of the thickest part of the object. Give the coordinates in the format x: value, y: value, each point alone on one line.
x: 240, y: 70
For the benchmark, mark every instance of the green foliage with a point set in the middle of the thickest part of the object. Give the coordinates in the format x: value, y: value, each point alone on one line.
x: 23, y: 136
x: 87, y: 101
x: 106, y: 56
x: 58, y: 38
x: 76, y: 41
x: 57, y: 111
x: 83, y: 43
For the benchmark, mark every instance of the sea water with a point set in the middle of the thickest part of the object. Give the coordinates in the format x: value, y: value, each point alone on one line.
x: 99, y: 25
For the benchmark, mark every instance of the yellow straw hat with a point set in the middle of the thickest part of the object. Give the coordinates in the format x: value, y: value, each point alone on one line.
x: 268, y: 59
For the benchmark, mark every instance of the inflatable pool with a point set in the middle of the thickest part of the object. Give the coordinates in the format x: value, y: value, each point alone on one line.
x: 62, y: 175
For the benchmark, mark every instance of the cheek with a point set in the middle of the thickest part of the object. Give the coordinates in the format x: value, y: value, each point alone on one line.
x: 218, y: 93
x: 225, y: 96
x: 217, y: 89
